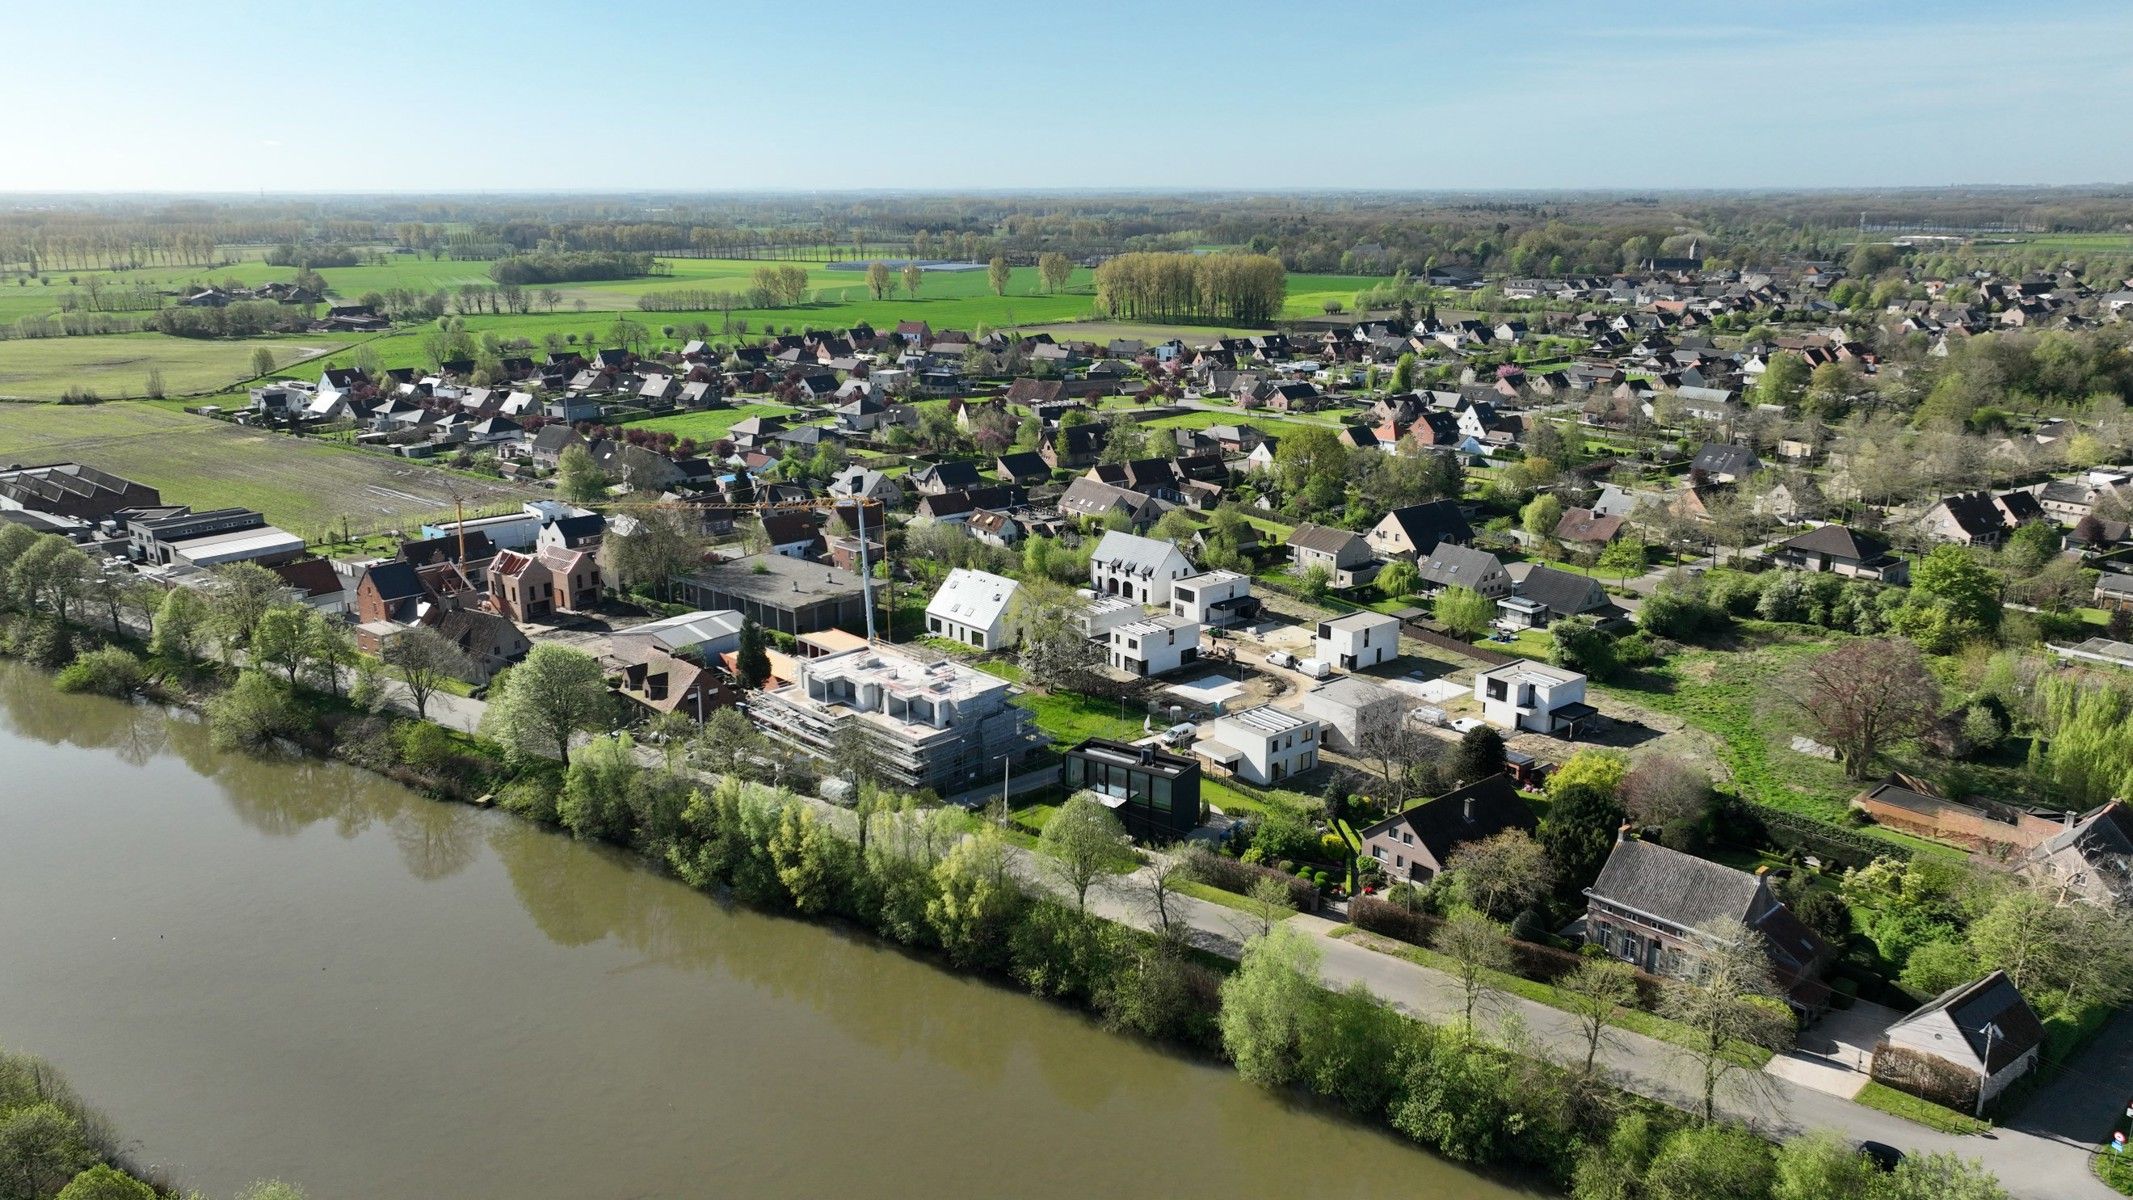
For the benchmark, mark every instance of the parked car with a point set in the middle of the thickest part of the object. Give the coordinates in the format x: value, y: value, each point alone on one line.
x: 1316, y: 668
x: 1281, y: 658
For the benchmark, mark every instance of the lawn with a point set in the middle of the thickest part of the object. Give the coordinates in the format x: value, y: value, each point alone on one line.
x: 304, y: 485
x: 711, y: 425
x: 1271, y: 426
x: 117, y: 365
x: 1886, y: 1099
x: 1070, y: 717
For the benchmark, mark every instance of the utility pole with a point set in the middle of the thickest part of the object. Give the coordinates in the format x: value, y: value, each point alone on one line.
x: 1984, y: 1075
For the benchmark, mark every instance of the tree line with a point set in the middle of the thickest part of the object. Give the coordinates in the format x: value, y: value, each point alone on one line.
x: 1239, y: 289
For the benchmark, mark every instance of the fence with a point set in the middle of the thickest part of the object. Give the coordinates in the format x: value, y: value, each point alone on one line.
x: 1430, y: 637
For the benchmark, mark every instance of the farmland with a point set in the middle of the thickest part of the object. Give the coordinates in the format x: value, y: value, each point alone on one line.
x: 117, y: 365
x: 305, y: 486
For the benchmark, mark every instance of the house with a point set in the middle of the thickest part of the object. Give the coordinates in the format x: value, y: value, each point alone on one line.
x: 2090, y: 860
x: 1724, y: 463
x: 548, y: 444
x: 792, y: 534
x: 973, y: 608
x: 933, y: 723
x: 1452, y: 565
x: 1263, y: 745
x: 1583, y: 527
x: 1022, y: 466
x: 664, y: 683
x: 1215, y: 599
x: 866, y: 482
x: 1546, y: 595
x: 1659, y: 909
x: 1344, y: 556
x: 1094, y: 500
x: 490, y: 642
x: 2114, y: 590
x: 1415, y: 530
x: 1153, y: 646
x: 1136, y: 568
x: 1533, y: 697
x: 1417, y: 845
x: 994, y: 527
x: 954, y: 476
x: 540, y: 585
x: 1358, y: 640
x: 1841, y: 551
x: 1971, y: 519
x: 1351, y: 708
x: 1964, y: 1046
x: 1155, y: 794
x: 785, y: 594
x: 1072, y: 447
x: 574, y: 531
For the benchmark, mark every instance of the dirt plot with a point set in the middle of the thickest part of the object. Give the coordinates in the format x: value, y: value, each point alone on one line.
x: 306, y: 486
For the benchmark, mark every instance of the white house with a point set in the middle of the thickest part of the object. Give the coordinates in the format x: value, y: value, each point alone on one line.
x: 1533, y: 697
x: 972, y: 608
x: 1263, y: 745
x: 1154, y: 645
x: 1102, y: 614
x: 1985, y: 1030
x: 1137, y: 568
x: 1358, y: 640
x: 1214, y: 598
x: 1352, y: 708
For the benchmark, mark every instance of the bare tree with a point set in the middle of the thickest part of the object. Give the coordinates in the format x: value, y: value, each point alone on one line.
x: 1476, y: 945
x: 424, y: 659
x: 1593, y: 992
x: 1663, y: 788
x: 1269, y: 903
x: 1862, y: 696
x: 1160, y: 888
x: 1502, y: 874
x: 1729, y: 995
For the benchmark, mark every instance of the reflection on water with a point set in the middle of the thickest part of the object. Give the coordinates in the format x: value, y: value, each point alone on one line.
x: 293, y: 968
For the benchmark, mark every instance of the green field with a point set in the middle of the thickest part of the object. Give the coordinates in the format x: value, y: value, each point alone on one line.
x: 712, y: 425
x: 117, y: 365
x: 1272, y: 426
x: 304, y: 485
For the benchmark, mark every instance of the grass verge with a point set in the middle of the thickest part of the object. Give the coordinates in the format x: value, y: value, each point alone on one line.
x: 1883, y: 1098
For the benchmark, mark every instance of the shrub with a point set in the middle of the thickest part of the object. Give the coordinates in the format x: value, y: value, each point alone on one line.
x: 252, y: 712
x: 108, y: 671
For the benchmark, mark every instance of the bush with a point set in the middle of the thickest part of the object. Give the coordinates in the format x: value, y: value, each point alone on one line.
x: 1236, y: 875
x: 252, y: 712
x: 109, y: 671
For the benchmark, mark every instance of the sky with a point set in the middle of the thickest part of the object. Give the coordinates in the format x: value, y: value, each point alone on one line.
x: 730, y: 95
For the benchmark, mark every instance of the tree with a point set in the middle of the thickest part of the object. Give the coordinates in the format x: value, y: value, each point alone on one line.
x: 1502, y: 875
x: 1403, y: 374
x: 666, y: 542
x: 1464, y: 612
x: 1269, y: 903
x: 1662, y: 789
x: 1590, y: 767
x: 1316, y: 582
x: 878, y: 279
x: 41, y: 1148
x: 1579, y: 644
x: 1160, y: 887
x: 913, y: 276
x: 751, y: 664
x: 282, y: 639
x: 536, y: 706
x: 1054, y: 269
x: 1785, y: 380
x: 1539, y: 518
x: 1940, y: 1177
x: 1267, y: 1006
x: 1954, y: 598
x: 105, y: 1182
x: 1479, y: 756
x: 1477, y: 946
x: 179, y: 623
x: 1821, y: 1165
x: 578, y: 478
x: 263, y: 361
x: 1592, y: 993
x: 1860, y: 697
x: 1714, y: 1162
x: 973, y: 896
x: 424, y: 659
x: 997, y: 273
x: 1729, y: 995
x: 1080, y: 843
x: 51, y: 572
x: 1399, y: 578
x: 801, y: 850
x: 1579, y: 832
x: 241, y: 594
x: 1623, y: 558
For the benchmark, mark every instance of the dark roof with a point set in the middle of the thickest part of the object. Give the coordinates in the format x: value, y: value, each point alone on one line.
x: 1721, y: 459
x: 1993, y: 1000
x: 1837, y: 541
x: 394, y: 579
x: 1431, y: 523
x: 1448, y: 822
x: 1462, y: 566
x: 1022, y: 463
x: 429, y: 550
x: 1322, y: 538
x: 954, y: 475
x: 1564, y: 594
x: 572, y: 529
x: 1691, y: 892
x: 2021, y: 507
x: 311, y: 576
x: 1975, y: 513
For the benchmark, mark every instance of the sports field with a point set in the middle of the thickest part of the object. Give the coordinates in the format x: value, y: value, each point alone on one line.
x: 304, y: 485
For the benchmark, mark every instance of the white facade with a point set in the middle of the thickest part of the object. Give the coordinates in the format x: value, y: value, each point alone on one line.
x: 1210, y: 598
x: 972, y: 608
x: 1525, y: 695
x: 1106, y: 613
x: 1263, y: 745
x: 1136, y: 568
x: 1154, y: 646
x: 1358, y: 640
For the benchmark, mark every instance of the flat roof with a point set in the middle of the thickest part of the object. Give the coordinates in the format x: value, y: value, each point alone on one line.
x: 1361, y: 620
x: 1268, y: 719
x: 777, y: 580
x: 236, y: 544
x: 1531, y: 671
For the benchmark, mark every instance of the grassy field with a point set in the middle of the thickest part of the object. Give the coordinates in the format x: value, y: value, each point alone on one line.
x: 304, y: 485
x: 1071, y: 718
x: 712, y: 425
x: 117, y: 365
x: 1270, y: 425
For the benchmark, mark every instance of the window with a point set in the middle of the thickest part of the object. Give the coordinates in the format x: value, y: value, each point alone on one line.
x: 935, y: 624
x: 1407, y: 839
x: 1399, y: 860
x: 1377, y: 852
x: 1497, y: 690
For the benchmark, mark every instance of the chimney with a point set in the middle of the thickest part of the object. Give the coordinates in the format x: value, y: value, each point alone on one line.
x: 1622, y: 834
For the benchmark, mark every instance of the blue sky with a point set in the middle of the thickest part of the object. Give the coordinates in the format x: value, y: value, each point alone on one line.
x: 460, y: 96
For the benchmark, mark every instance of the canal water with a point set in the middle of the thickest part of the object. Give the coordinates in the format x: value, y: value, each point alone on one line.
x: 295, y: 969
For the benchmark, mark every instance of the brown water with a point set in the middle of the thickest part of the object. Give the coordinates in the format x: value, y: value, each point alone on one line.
x: 295, y: 969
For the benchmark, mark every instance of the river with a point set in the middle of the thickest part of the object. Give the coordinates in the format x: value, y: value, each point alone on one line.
x: 295, y: 969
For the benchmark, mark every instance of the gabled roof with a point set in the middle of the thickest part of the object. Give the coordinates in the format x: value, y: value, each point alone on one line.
x: 1479, y: 810
x: 1431, y: 523
x: 1584, y: 525
x: 1323, y: 538
x: 975, y: 598
x: 1564, y: 594
x: 1991, y: 1001
x: 1975, y: 514
x: 1129, y: 553
x: 1452, y: 565
x: 394, y: 579
x: 1723, y: 459
x: 1691, y: 892
x: 955, y: 475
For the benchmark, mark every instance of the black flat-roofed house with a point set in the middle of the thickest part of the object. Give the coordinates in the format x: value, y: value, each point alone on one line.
x: 1154, y: 794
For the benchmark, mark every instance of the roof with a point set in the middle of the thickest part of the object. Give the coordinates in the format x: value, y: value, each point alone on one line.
x: 778, y: 581
x: 1724, y: 459
x: 1352, y: 692
x: 394, y: 579
x: 1431, y: 523
x: 313, y: 577
x: 975, y: 598
x: 1584, y: 525
x: 1131, y: 554
x: 1531, y: 671
x: 1449, y: 821
x: 1837, y: 541
x: 1452, y: 565
x: 1360, y: 620
x: 1975, y: 514
x: 1991, y: 1001
x: 1691, y: 892
x: 1323, y: 539
x: 1266, y: 720
x: 1563, y: 593
x: 689, y: 629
